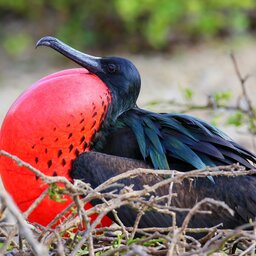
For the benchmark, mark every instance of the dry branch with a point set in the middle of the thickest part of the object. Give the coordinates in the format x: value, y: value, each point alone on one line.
x: 170, y: 239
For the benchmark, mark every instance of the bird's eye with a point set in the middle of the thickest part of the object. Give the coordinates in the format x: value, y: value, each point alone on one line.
x: 112, y: 68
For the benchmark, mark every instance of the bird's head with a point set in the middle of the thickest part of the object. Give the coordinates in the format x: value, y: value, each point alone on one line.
x: 119, y: 74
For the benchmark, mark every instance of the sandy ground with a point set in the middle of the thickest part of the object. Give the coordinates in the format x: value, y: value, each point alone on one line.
x: 205, y: 68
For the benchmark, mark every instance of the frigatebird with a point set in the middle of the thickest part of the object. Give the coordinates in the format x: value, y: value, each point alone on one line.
x: 132, y: 137
x: 129, y: 137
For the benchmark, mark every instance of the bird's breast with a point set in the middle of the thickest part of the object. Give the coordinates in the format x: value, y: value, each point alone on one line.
x: 50, y: 124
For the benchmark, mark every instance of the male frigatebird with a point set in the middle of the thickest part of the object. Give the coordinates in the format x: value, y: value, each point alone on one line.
x: 128, y: 137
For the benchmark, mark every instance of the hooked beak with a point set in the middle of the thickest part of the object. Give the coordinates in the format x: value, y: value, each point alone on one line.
x: 89, y: 62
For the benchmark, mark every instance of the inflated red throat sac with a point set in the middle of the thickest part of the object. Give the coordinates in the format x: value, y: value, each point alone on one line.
x: 48, y: 126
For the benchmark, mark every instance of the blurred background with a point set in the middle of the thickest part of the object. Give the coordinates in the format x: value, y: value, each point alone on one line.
x: 182, y: 49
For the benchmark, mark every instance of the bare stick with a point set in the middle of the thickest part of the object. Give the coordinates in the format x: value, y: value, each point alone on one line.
x: 210, y: 201
x: 9, y: 239
x: 35, y: 204
x: 242, y: 82
x: 137, y: 221
x: 38, y: 248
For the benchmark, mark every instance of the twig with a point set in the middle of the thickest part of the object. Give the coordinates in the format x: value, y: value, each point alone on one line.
x: 120, y: 223
x: 38, y: 248
x: 35, y: 204
x: 137, y: 221
x: 86, y: 221
x: 242, y: 80
x: 9, y: 239
x: 196, y: 207
x: 170, y: 191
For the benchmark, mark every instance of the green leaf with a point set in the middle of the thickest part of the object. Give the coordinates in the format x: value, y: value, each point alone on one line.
x: 236, y: 119
x: 216, y: 119
x: 133, y: 241
x: 56, y: 193
x: 154, y: 242
x: 117, y: 241
x: 187, y: 93
x: 222, y: 97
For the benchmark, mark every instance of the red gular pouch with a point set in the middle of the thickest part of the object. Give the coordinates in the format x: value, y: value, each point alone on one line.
x: 48, y: 126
